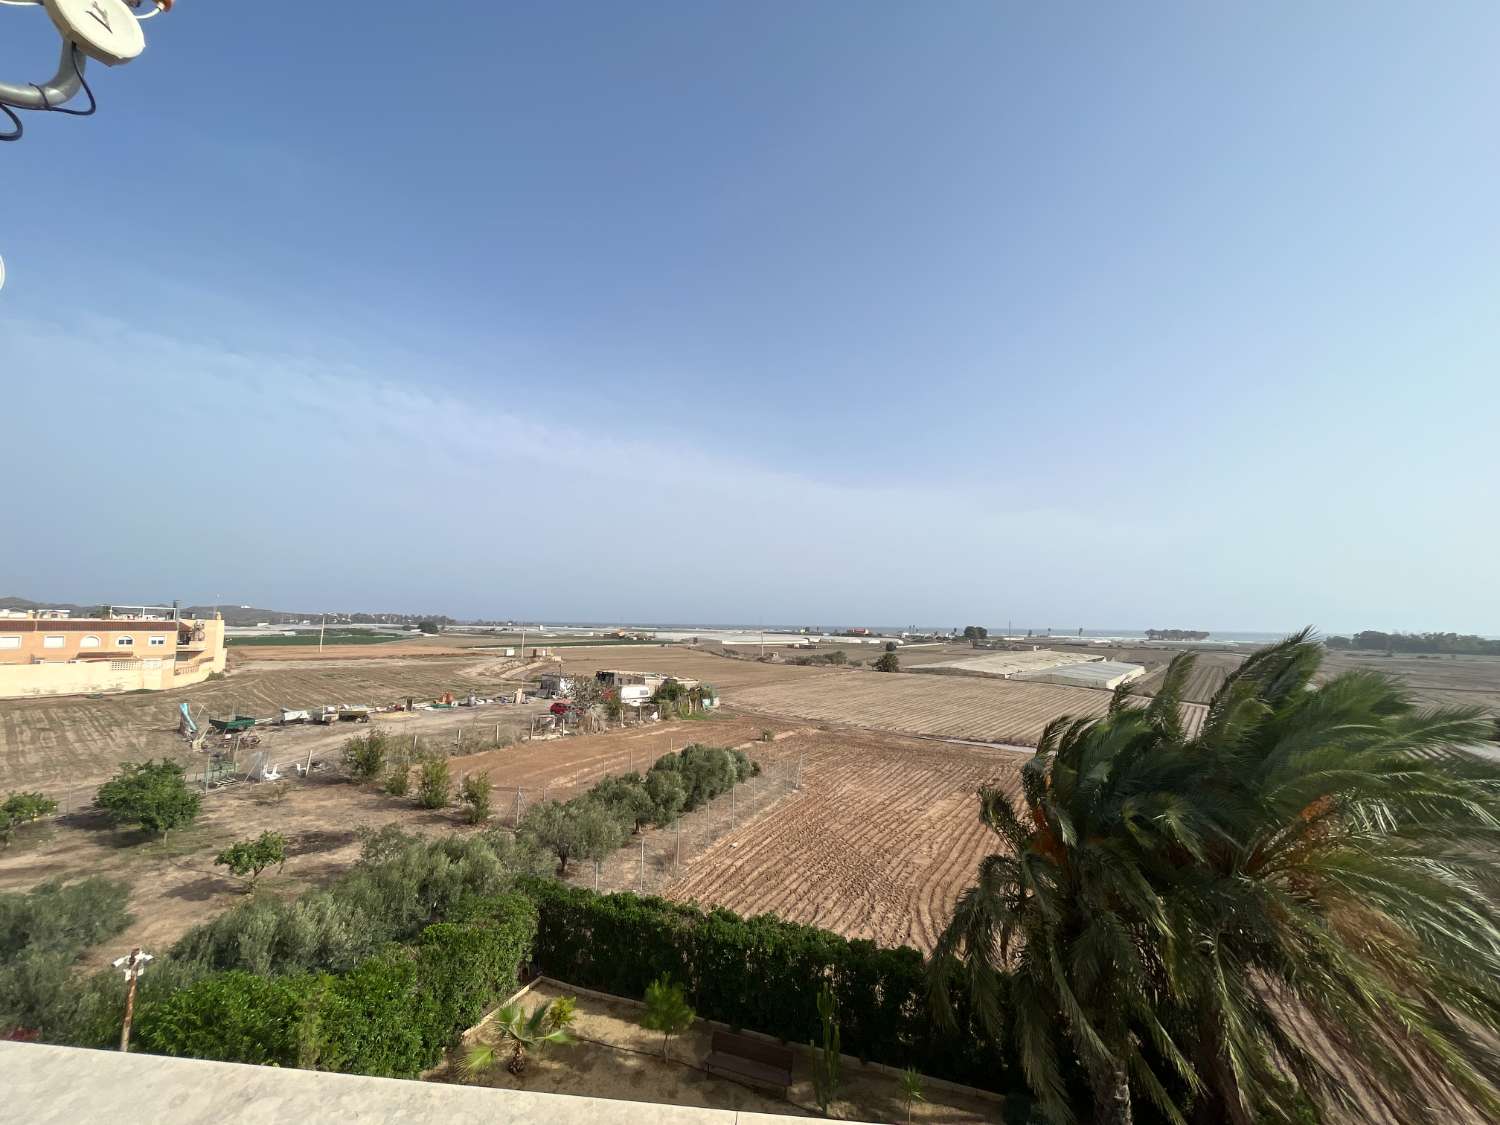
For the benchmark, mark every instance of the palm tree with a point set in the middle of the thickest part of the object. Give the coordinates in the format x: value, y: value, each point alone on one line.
x: 1296, y: 904
x: 524, y: 1032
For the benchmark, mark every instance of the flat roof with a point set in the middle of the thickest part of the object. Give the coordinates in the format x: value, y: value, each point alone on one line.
x: 86, y: 625
x: 48, y: 1085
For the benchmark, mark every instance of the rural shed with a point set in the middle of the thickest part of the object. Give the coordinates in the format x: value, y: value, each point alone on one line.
x: 1106, y: 674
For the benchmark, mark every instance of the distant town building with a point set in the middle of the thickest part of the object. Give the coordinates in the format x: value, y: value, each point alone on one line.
x: 142, y: 648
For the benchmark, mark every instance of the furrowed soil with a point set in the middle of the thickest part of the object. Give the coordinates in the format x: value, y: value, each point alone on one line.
x: 878, y: 842
x: 62, y: 744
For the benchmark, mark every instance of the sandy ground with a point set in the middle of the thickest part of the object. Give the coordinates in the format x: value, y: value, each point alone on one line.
x: 616, y: 1058
x: 965, y: 707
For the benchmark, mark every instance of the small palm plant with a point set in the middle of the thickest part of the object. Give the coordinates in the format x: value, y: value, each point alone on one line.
x: 524, y: 1032
x: 563, y: 1012
x: 911, y: 1090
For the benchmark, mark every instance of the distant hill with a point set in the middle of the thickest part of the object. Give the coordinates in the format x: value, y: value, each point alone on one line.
x: 240, y: 615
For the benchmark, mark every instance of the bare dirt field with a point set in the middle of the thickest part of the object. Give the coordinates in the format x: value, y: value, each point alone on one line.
x: 984, y: 710
x: 444, y: 645
x: 1446, y: 681
x: 877, y: 843
x: 69, y: 742
x: 562, y: 768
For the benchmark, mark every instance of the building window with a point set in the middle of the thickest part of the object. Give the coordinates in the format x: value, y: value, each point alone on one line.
x: 10, y: 642
x: 89, y: 641
x: 157, y: 642
x: 124, y: 642
x: 54, y: 642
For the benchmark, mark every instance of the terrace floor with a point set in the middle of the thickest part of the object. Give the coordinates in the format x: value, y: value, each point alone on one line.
x: 616, y: 1058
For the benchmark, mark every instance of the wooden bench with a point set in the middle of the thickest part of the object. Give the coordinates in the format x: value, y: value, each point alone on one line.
x: 754, y: 1060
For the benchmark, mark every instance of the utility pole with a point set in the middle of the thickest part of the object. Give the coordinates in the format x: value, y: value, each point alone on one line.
x: 643, y: 861
x: 134, y: 964
x: 677, y: 859
x: 518, y: 806
x: 321, y: 626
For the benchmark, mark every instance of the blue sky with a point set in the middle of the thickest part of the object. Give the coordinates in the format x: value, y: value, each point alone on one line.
x: 1175, y: 315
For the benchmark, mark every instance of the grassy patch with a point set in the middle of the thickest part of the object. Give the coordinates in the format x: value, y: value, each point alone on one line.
x: 331, y: 637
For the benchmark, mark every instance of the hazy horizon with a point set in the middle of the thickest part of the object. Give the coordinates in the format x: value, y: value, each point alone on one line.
x: 788, y: 313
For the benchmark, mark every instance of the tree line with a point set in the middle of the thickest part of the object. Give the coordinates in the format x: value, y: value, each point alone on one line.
x: 1457, y: 644
x: 596, y: 824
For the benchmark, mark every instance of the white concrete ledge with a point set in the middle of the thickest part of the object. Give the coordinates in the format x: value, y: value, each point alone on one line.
x: 42, y: 1084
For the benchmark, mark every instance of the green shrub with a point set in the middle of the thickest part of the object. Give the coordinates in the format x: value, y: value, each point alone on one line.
x: 364, y: 756
x: 235, y: 1017
x: 62, y: 917
x: 475, y: 795
x: 251, y: 857
x: 760, y: 973
x: 42, y: 931
x: 23, y: 808
x: 393, y: 1014
x: 627, y: 799
x: 151, y: 795
x: 400, y: 884
x: 434, y: 786
x: 667, y: 794
x: 398, y: 778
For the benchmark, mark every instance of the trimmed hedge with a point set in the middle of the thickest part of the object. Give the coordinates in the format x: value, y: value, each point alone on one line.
x: 762, y: 974
x: 392, y: 1015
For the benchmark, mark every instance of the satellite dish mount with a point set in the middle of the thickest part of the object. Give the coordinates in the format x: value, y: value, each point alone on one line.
x: 107, y: 31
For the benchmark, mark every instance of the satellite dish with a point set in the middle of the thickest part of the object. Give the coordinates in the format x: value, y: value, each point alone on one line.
x: 105, y: 30
x: 2, y: 273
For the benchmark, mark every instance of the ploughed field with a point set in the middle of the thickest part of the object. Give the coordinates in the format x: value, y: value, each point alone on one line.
x: 74, y: 740
x: 984, y: 710
x: 1438, y: 681
x: 877, y: 843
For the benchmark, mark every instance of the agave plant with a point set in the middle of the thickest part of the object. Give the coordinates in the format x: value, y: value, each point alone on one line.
x: 524, y: 1033
x: 1293, y: 908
